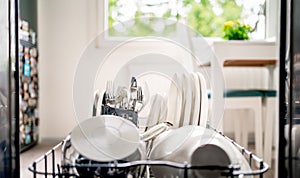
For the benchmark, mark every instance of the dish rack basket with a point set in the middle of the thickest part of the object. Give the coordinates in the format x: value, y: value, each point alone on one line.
x: 41, y: 168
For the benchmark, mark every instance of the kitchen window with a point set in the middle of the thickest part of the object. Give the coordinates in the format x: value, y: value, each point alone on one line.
x: 124, y: 18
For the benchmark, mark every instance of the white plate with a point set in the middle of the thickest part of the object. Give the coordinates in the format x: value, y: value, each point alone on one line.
x: 163, y: 110
x: 196, y: 96
x: 174, y: 102
x: 105, y: 138
x: 204, y: 101
x: 192, y: 86
x: 187, y: 90
x: 181, y: 90
x: 154, y: 113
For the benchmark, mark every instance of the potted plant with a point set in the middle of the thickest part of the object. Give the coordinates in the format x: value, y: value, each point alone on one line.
x: 236, y: 30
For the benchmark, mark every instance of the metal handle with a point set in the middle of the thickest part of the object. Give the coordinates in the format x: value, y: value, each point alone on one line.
x: 154, y: 131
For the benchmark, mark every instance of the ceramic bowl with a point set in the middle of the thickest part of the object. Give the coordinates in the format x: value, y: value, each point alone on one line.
x: 197, y: 146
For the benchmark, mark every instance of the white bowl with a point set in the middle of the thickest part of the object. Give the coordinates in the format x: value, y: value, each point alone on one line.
x: 74, y: 164
x: 105, y: 138
x: 197, y: 146
x: 84, y: 148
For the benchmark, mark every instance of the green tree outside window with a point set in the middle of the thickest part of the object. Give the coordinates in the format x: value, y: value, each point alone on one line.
x: 207, y: 17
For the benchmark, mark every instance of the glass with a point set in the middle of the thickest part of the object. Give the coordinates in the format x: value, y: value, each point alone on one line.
x: 205, y: 17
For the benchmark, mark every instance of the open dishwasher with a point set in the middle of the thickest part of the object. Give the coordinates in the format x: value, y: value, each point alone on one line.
x: 148, y: 107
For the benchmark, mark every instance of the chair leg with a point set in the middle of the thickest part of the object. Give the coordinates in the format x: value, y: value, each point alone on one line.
x: 258, y: 130
x: 245, y: 126
x: 241, y: 127
x: 254, y: 104
x: 238, y: 130
x: 269, y: 129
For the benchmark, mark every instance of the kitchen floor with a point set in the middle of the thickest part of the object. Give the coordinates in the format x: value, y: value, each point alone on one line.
x: 28, y: 157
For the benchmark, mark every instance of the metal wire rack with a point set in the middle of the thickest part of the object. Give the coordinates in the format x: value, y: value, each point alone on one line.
x: 47, y: 164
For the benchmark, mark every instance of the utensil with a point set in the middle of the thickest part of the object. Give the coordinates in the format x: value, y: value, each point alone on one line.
x: 95, y: 104
x: 121, y: 97
x: 154, y: 131
x: 157, y: 119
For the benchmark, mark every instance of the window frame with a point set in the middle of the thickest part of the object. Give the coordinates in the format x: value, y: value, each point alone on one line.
x: 271, y: 28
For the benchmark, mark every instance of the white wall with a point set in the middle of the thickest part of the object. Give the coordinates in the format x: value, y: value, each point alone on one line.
x: 64, y: 29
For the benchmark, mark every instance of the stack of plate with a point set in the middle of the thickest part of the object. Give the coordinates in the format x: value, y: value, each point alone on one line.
x: 186, y: 102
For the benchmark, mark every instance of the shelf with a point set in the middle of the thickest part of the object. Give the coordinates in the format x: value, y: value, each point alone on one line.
x: 28, y: 146
x: 27, y: 44
x: 28, y: 92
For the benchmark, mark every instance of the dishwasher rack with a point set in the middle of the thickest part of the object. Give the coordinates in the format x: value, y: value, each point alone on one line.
x: 226, y: 171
